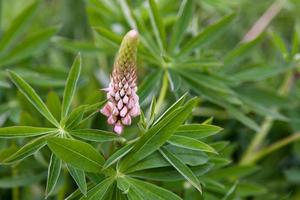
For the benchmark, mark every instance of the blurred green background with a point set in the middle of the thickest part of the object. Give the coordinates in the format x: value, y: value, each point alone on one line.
x: 249, y: 87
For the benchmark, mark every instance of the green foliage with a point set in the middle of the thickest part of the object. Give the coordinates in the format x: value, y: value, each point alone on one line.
x: 196, y: 74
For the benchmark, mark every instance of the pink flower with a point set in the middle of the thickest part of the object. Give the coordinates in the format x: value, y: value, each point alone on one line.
x: 123, y: 102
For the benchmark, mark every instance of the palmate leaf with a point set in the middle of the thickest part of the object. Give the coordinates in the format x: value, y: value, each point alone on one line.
x: 186, y: 172
x: 79, y: 154
x: 79, y: 178
x: 33, y: 97
x: 149, y: 191
x: 71, y: 85
x: 54, y: 169
x: 17, y: 26
x: 157, y: 135
x: 27, y: 150
x: 207, y: 35
x: 24, y: 131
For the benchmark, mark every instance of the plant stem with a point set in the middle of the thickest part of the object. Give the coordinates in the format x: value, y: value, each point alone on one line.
x: 273, y: 147
x: 260, y: 136
x: 162, y: 93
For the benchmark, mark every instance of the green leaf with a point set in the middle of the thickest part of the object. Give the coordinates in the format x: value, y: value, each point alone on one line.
x: 79, y: 177
x: 29, y: 46
x: 150, y: 191
x: 241, y: 50
x: 100, y: 191
x: 207, y: 35
x: 242, y: 117
x: 54, y: 105
x: 74, y: 118
x: 75, y: 46
x: 182, y: 21
x: 71, y: 85
x: 295, y: 42
x: 174, y: 80
x: 17, y: 26
x: 231, y: 192
x: 24, y: 131
x: 27, y: 150
x: 33, y: 97
x: 123, y: 184
x: 234, y: 172
x: 157, y: 135
x: 95, y: 135
x: 149, y: 85
x: 157, y: 25
x: 120, y: 153
x: 151, y: 114
x: 279, y: 43
x: 245, y: 189
x: 21, y: 180
x: 79, y: 154
x: 109, y: 35
x: 191, y: 143
x: 173, y: 107
x: 169, y: 174
x: 77, y: 194
x: 197, y: 131
x: 156, y: 160
x: 186, y: 172
x: 260, y: 73
x: 53, y: 174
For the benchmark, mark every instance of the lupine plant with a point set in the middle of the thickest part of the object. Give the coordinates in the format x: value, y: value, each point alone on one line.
x: 164, y: 100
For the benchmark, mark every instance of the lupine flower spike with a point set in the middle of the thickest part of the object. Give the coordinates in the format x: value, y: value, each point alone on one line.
x: 123, y: 102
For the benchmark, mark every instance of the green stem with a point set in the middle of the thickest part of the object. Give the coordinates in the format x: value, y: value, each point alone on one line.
x: 257, y: 140
x: 163, y: 92
x: 260, y: 136
x: 273, y: 147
